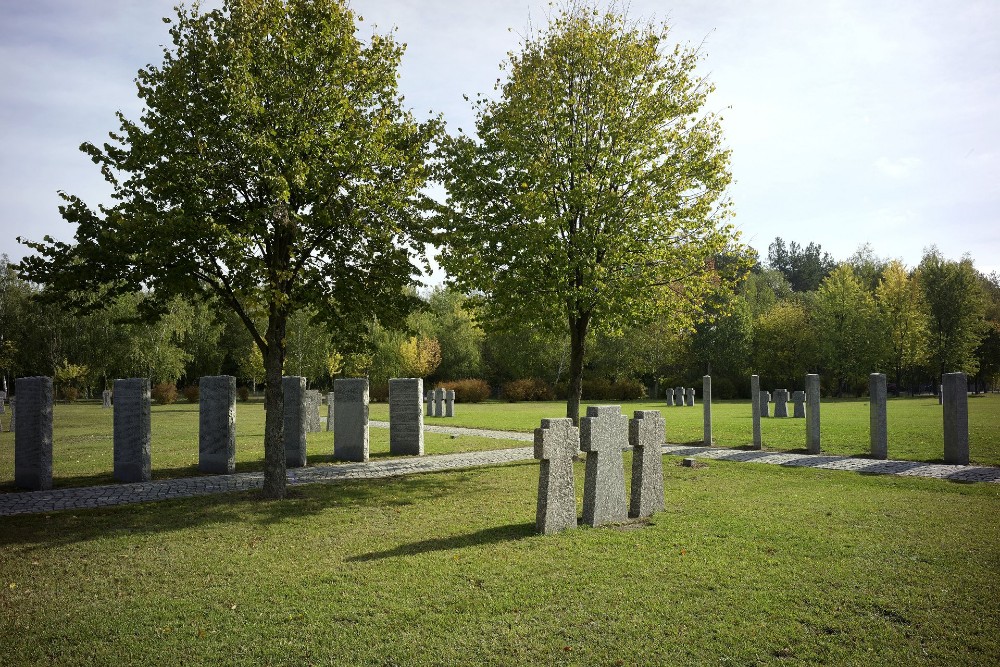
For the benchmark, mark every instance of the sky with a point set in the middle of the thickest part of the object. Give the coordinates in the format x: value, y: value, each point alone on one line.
x: 850, y: 121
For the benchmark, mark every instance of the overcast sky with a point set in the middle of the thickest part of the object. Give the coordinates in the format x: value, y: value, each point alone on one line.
x: 850, y: 122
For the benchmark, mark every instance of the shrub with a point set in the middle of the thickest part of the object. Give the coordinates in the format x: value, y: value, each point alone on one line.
x: 600, y: 389
x: 467, y: 391
x: 69, y: 393
x: 531, y: 389
x: 244, y: 394
x: 164, y: 393
x: 378, y: 393
x: 192, y: 393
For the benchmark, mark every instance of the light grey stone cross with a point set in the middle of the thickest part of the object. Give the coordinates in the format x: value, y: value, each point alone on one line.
x: 646, y: 434
x: 556, y: 443
x: 780, y: 402
x: 603, y: 435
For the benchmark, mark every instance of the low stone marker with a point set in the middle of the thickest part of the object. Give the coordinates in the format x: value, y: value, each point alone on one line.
x: 132, y: 435
x: 330, y: 401
x: 13, y: 412
x: 765, y: 399
x: 603, y: 435
x: 439, y: 402
x: 956, y: 418
x: 294, y: 420
x: 33, y: 440
x: 780, y: 402
x: 3, y: 399
x: 689, y: 397
x: 313, y: 400
x: 940, y: 394
x: 798, y: 405
x: 878, y: 427
x: 646, y: 434
x: 106, y: 398
x: 350, y: 432
x: 217, y: 424
x: 679, y: 396
x: 670, y: 397
x: 449, y: 403
x: 406, y: 416
x: 755, y: 409
x: 812, y: 414
x: 706, y: 402
x: 430, y: 402
x: 556, y: 443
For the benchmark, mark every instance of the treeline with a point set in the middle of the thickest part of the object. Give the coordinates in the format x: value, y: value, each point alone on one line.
x: 798, y: 312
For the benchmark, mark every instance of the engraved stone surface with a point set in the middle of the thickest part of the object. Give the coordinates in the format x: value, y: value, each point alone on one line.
x: 706, y: 402
x: 878, y: 426
x: 132, y: 433
x: 798, y: 405
x: 755, y: 410
x: 350, y: 430
x: 33, y: 438
x: 646, y: 434
x: 439, y: 402
x: 603, y: 435
x: 449, y: 403
x: 765, y: 399
x: 294, y: 420
x: 106, y: 398
x: 330, y: 401
x: 556, y: 443
x: 780, y: 402
x: 956, y: 418
x: 812, y: 414
x: 217, y: 424
x: 406, y: 416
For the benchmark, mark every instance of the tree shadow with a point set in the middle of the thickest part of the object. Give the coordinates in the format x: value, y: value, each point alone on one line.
x: 496, y: 535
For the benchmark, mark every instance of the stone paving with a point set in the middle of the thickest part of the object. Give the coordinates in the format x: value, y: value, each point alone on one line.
x: 33, y: 502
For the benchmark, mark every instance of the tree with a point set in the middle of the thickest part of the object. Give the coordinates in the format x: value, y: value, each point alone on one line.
x: 448, y: 318
x: 593, y: 198
x: 805, y: 268
x: 903, y: 319
x: 273, y: 167
x: 784, y: 344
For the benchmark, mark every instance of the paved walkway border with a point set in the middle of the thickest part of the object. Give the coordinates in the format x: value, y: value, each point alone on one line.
x: 89, y: 497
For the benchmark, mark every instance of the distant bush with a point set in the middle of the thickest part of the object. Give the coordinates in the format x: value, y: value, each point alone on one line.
x: 378, y: 393
x: 244, y: 394
x: 467, y: 391
x: 531, y: 389
x: 164, y: 393
x: 601, y: 389
x: 192, y: 393
x: 69, y: 393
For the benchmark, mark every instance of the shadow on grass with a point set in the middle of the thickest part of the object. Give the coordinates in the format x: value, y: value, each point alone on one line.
x: 495, y: 535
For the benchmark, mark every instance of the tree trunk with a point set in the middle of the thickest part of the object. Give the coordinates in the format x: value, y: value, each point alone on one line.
x: 578, y: 326
x: 274, y: 406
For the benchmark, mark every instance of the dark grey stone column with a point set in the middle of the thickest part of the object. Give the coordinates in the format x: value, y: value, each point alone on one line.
x: 294, y: 420
x: 313, y: 400
x: 556, y: 443
x: 217, y: 424
x: 350, y: 433
x: 812, y: 414
x: 646, y: 434
x: 449, y: 403
x: 3, y: 400
x: 330, y: 400
x: 878, y: 424
x: 33, y: 437
x: 603, y: 435
x: 706, y: 402
x: 13, y: 413
x: 755, y: 410
x: 132, y: 431
x: 406, y: 416
x: 780, y: 402
x: 956, y: 418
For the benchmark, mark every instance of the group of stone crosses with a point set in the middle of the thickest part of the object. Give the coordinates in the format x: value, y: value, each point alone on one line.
x: 3, y: 411
x: 603, y: 434
x: 781, y: 397
x: 440, y: 402
x: 680, y: 396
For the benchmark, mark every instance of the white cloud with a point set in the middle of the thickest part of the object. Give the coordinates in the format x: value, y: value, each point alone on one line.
x: 899, y: 168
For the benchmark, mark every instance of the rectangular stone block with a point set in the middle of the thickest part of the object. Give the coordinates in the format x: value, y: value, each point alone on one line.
x: 106, y: 398
x: 132, y: 434
x: 406, y: 416
x: 3, y: 401
x: 294, y: 420
x: 878, y: 425
x: 603, y: 435
x: 33, y: 436
x: 670, y: 397
x: 330, y: 400
x: 350, y: 432
x: 556, y: 443
x: 449, y: 403
x: 646, y: 434
x: 217, y: 424
x: 956, y: 418
x: 812, y: 414
x: 798, y: 405
x: 706, y: 401
x: 755, y: 410
x: 780, y: 402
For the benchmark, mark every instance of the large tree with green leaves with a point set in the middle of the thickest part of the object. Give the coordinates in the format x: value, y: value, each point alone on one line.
x: 903, y: 320
x: 594, y: 195
x: 273, y: 166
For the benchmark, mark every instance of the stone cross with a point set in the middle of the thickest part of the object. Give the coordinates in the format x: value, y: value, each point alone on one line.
x: 556, y: 443
x: 33, y: 440
x: 646, y: 434
x: 132, y: 434
x: 217, y: 424
x: 956, y: 418
x: 603, y: 435
x: 689, y: 397
x: 3, y: 398
x: 812, y: 414
x: 350, y: 428
x: 106, y: 398
x: 780, y: 402
x: 670, y: 397
x: 679, y: 396
x: 406, y: 416
x: 430, y: 402
x: 706, y: 403
x: 878, y: 425
x: 798, y: 404
x: 439, y: 402
x: 330, y: 401
x: 755, y: 393
x: 940, y: 394
x: 765, y: 398
x: 295, y: 420
x: 449, y: 403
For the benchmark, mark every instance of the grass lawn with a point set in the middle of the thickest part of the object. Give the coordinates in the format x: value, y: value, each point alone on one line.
x: 748, y: 565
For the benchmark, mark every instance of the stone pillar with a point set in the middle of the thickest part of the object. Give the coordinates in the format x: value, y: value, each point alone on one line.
x: 940, y: 394
x: 430, y: 402
x: 350, y: 433
x: 780, y: 402
x: 765, y: 399
x: 3, y: 399
x: 217, y: 424
x: 132, y: 431
x: 798, y: 405
x: 812, y: 414
x: 449, y: 403
x: 330, y: 400
x: 313, y: 400
x: 956, y: 418
x: 603, y: 435
x: 755, y: 410
x: 33, y: 439
x: 106, y: 398
x: 406, y: 416
x: 294, y: 420
x: 706, y: 402
x: 439, y: 402
x: 646, y: 434
x: 878, y: 425
x: 556, y: 443
x: 13, y: 412
x: 689, y: 397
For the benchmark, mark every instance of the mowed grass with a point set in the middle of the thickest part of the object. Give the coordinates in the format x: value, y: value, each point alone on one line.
x: 749, y: 564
